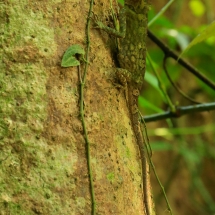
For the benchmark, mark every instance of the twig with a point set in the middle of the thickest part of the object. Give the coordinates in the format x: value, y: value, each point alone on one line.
x: 160, y: 12
x: 170, y: 53
x: 151, y: 164
x: 161, y: 85
x: 180, y: 111
x: 174, y: 85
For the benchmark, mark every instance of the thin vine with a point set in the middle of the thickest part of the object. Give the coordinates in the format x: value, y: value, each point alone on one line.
x: 82, y: 85
x: 148, y: 151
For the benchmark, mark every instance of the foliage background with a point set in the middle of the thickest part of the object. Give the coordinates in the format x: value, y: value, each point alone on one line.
x: 183, y: 149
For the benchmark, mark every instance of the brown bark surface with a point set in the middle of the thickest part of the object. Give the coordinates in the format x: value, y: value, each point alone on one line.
x: 43, y: 154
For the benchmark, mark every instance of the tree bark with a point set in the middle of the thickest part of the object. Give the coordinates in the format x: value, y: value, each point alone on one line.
x: 43, y: 154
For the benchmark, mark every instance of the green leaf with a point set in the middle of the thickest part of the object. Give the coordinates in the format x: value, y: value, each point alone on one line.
x: 182, y: 39
x: 152, y: 80
x: 122, y: 2
x: 197, y: 7
x: 207, y: 33
x: 147, y: 104
x: 161, y: 146
x: 69, y: 58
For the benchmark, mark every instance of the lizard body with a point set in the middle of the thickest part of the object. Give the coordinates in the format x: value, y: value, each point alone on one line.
x: 131, y: 57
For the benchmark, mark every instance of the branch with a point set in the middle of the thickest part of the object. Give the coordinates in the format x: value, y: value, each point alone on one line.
x: 170, y: 53
x: 180, y: 111
x: 175, y: 86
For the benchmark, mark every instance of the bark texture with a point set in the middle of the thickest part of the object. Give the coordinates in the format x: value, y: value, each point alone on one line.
x: 43, y: 156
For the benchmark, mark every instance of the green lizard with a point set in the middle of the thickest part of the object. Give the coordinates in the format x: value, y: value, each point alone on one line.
x: 131, y: 57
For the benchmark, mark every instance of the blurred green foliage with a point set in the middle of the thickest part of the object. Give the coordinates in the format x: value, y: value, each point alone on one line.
x: 185, y: 141
x: 197, y: 7
x: 199, y: 45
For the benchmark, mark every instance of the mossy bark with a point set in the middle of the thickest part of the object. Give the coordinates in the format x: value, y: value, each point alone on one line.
x: 43, y: 155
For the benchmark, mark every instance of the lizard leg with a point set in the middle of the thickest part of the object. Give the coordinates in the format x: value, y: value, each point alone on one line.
x: 120, y: 33
x: 123, y: 76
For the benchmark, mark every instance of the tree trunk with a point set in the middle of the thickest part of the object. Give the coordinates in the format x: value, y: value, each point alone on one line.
x: 43, y: 149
